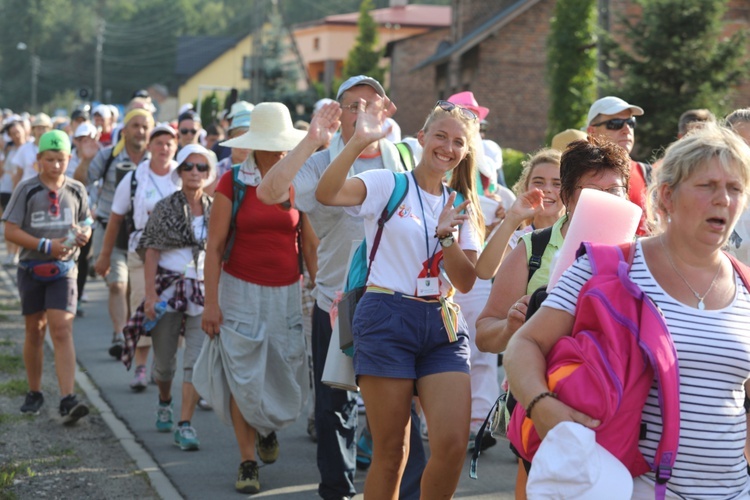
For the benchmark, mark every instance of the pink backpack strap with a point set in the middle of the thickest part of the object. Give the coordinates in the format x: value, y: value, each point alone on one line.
x: 606, y: 259
x: 742, y: 269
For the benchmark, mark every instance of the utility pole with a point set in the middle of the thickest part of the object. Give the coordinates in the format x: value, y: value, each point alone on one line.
x: 35, y: 64
x: 100, y: 23
x: 256, y: 58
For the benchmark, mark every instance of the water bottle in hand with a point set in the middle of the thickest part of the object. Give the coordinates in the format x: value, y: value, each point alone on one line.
x: 72, y: 232
x: 160, y: 308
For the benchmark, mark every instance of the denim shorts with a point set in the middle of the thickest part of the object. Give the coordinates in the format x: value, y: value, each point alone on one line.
x: 38, y: 296
x: 399, y: 337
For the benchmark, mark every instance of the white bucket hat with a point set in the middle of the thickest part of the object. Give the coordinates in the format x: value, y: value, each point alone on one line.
x: 270, y: 129
x: 570, y: 464
x: 183, y: 154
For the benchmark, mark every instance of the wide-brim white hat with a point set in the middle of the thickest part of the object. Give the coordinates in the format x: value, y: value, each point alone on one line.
x: 183, y: 154
x: 570, y: 464
x: 270, y: 129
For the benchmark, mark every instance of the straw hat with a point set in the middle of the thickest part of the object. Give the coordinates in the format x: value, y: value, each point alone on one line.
x: 560, y: 141
x: 270, y: 129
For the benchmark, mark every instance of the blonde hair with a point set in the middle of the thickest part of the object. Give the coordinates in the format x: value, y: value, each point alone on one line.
x: 544, y: 155
x: 464, y: 177
x: 683, y: 157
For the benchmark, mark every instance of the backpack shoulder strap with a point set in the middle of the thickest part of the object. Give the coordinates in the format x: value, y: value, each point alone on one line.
x: 108, y: 163
x: 539, y: 241
x: 742, y: 269
x: 606, y: 259
x: 646, y: 171
x: 406, y: 154
x: 133, y: 187
x: 238, y: 194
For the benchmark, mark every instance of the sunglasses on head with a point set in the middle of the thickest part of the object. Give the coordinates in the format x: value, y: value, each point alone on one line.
x: 449, y: 106
x: 188, y: 166
x: 54, y: 204
x: 617, y: 123
x: 186, y: 131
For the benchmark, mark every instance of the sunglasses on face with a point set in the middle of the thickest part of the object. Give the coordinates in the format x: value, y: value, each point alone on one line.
x: 186, y: 131
x: 617, y: 123
x: 188, y: 167
x: 449, y: 106
x: 54, y: 204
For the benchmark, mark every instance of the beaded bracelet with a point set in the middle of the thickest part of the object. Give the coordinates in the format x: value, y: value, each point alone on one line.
x: 48, y: 247
x: 537, y: 399
x: 41, y: 244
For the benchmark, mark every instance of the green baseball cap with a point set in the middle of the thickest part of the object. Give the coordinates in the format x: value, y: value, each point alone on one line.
x: 54, y: 140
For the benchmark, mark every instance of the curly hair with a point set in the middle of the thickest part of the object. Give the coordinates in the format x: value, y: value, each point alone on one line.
x: 594, y: 154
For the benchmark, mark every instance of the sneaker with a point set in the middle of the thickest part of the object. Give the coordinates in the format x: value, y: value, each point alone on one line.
x: 186, y: 438
x: 72, y: 410
x: 267, y: 447
x: 311, y: 431
x: 364, y: 450
x: 84, y: 297
x: 80, y: 313
x: 115, y: 350
x: 247, y: 478
x: 33, y: 403
x: 139, y: 382
x: 204, y: 405
x: 164, y: 422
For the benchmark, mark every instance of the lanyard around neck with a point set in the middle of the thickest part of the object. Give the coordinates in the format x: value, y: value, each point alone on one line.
x: 430, y: 256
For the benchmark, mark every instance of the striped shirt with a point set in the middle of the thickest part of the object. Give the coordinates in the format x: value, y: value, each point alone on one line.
x: 713, y: 351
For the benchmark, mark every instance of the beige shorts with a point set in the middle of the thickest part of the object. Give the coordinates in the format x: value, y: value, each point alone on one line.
x: 118, y: 266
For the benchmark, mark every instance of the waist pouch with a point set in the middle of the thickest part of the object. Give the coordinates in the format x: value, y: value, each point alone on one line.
x: 47, y: 270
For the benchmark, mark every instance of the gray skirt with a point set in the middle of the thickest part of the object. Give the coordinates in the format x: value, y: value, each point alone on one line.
x: 258, y: 357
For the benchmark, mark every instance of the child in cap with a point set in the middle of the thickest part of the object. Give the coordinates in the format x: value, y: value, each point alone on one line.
x: 58, y: 207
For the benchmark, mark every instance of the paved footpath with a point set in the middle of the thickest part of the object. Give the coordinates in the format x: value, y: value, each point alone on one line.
x: 211, y: 471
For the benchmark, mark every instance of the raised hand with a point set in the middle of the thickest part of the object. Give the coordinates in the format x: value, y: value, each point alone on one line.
x: 371, y: 117
x: 451, y: 216
x: 528, y: 205
x: 325, y: 123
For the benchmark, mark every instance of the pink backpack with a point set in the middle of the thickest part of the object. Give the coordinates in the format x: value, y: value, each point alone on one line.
x: 606, y: 367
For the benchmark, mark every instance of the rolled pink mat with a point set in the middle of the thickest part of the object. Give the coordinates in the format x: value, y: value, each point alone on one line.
x: 599, y: 218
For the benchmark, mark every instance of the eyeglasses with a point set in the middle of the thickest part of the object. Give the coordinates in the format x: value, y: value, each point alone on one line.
x: 353, y: 108
x: 617, y: 123
x: 54, y: 204
x: 186, y: 131
x: 449, y: 106
x: 188, y: 167
x: 616, y: 190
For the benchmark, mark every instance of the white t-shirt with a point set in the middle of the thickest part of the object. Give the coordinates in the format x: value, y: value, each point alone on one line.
x: 181, y: 260
x: 713, y: 353
x: 402, y: 256
x: 25, y: 159
x: 159, y: 187
x: 6, y: 180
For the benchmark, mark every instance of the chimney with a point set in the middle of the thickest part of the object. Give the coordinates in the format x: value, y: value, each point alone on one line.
x: 399, y: 3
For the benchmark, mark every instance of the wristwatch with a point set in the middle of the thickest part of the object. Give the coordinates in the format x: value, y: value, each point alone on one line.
x: 446, y: 241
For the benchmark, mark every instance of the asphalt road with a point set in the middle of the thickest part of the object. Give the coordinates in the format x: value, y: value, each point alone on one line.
x: 210, y: 472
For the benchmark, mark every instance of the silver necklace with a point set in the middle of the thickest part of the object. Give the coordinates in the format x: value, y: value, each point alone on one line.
x: 700, y: 298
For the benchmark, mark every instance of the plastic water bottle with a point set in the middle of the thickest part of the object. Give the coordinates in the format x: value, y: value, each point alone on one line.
x: 160, y: 308
x: 72, y: 233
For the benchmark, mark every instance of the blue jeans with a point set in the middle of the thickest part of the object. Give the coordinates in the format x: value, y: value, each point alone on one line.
x: 336, y: 425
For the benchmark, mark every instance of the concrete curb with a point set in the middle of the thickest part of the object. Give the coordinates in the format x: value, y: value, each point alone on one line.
x: 145, y: 463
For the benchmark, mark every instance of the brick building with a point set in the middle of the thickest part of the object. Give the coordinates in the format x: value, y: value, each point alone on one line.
x: 497, y: 49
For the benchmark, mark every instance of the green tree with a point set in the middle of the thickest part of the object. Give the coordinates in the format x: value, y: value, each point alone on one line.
x: 677, y: 59
x: 364, y: 58
x: 571, y: 64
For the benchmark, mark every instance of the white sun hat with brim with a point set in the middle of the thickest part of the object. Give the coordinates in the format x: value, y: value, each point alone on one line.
x: 86, y: 129
x: 571, y: 464
x: 183, y: 154
x: 271, y: 129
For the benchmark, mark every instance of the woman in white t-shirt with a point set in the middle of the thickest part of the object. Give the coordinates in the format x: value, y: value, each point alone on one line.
x: 699, y: 192
x: 407, y: 331
x: 17, y: 134
x: 154, y: 182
